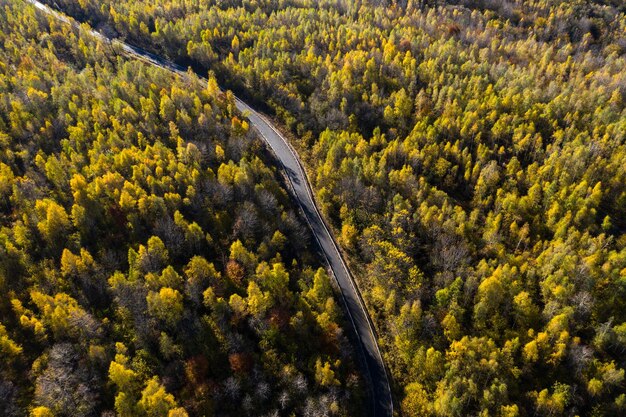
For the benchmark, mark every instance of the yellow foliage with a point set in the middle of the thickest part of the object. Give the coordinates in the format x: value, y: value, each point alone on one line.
x: 324, y: 374
x: 8, y: 348
x: 41, y: 412
x: 155, y: 401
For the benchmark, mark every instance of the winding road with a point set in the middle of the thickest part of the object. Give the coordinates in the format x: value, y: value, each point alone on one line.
x: 380, y: 391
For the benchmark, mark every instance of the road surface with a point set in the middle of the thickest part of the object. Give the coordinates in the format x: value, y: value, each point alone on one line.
x: 380, y: 392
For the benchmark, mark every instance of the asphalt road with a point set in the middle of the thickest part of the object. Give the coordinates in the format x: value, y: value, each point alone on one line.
x: 380, y: 392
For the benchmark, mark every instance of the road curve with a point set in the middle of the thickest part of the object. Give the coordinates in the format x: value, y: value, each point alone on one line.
x: 380, y: 391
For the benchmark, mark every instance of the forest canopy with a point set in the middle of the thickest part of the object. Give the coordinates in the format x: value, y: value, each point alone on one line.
x: 151, y: 260
x: 470, y: 156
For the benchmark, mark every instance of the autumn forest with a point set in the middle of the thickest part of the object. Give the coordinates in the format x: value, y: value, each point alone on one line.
x: 469, y: 157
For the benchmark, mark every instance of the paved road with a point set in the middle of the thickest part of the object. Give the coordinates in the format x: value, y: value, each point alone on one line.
x: 380, y: 392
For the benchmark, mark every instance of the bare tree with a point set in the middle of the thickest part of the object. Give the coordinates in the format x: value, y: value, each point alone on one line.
x: 283, y: 400
x: 66, y: 386
x: 8, y: 393
x: 232, y: 387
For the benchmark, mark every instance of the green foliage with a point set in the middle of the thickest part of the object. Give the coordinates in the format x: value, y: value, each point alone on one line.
x: 470, y: 155
x: 146, y: 253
